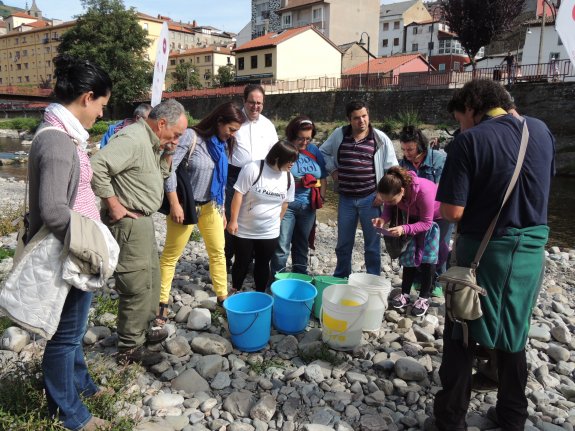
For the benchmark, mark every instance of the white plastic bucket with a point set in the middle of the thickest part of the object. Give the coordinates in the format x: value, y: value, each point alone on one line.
x: 342, y: 316
x: 378, y: 288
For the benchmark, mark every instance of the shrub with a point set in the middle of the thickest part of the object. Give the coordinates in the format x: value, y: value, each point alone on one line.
x: 25, y: 124
x: 6, y: 252
x: 100, y: 127
x: 409, y: 118
x: 7, y: 217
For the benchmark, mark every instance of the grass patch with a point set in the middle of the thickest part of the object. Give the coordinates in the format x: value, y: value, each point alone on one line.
x: 6, y: 252
x: 218, y: 314
x: 7, y: 218
x: 105, y: 304
x: 196, y: 236
x: 23, y: 405
x: 323, y: 354
x: 5, y: 323
x: 409, y: 117
x: 260, y: 367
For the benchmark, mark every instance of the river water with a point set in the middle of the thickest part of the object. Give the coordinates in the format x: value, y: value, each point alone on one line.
x: 561, y: 202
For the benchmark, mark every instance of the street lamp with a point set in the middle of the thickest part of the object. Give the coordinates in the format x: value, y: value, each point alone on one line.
x: 361, y: 43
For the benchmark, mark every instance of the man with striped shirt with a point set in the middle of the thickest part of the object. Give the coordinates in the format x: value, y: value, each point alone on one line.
x: 357, y: 156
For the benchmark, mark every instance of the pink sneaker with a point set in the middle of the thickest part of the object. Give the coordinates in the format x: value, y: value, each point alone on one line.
x: 420, y: 307
x: 400, y: 301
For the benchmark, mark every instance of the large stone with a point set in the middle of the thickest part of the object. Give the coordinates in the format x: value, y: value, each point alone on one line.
x: 178, y: 346
x: 221, y: 380
x: 558, y: 353
x: 264, y: 409
x: 165, y: 401
x: 96, y: 333
x: 190, y: 382
x: 239, y: 403
x: 14, y: 339
x: 561, y: 334
x: 210, y: 365
x: 199, y: 319
x: 208, y: 344
x: 409, y: 369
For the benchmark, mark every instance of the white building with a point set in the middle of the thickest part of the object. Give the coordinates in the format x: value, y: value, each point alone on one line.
x: 392, y: 21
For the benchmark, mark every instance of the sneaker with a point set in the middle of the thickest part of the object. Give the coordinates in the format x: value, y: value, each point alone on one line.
x: 156, y: 335
x: 400, y: 301
x: 420, y: 307
x: 437, y: 291
x: 95, y: 424
x: 140, y: 355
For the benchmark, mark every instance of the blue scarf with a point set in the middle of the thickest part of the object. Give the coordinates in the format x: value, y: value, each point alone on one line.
x: 217, y: 150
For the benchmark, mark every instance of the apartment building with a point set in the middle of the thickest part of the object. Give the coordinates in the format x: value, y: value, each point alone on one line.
x: 206, y: 60
x: 393, y: 19
x: 302, y: 52
x: 342, y: 21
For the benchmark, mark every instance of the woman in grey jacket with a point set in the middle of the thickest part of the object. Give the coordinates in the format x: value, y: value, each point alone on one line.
x: 60, y: 174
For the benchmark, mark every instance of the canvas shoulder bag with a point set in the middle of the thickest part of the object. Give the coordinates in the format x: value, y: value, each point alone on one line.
x: 396, y: 245
x: 461, y: 291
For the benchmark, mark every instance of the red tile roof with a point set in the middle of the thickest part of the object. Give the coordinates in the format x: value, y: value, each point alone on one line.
x: 180, y: 28
x: 23, y: 15
x: 383, y: 64
x: 37, y: 24
x: 275, y: 38
x: 208, y: 49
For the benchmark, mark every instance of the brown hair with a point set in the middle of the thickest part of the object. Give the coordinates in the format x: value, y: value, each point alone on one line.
x: 394, y: 179
x: 225, y: 113
x: 301, y: 122
x: 282, y: 153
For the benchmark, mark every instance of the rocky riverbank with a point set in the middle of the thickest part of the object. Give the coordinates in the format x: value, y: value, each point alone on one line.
x: 295, y: 383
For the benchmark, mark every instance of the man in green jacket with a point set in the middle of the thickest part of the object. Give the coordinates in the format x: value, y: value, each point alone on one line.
x: 129, y: 177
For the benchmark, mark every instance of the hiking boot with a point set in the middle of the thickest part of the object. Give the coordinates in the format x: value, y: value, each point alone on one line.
x: 140, y: 355
x: 156, y: 335
x: 400, y: 301
x: 420, y: 307
x: 95, y: 424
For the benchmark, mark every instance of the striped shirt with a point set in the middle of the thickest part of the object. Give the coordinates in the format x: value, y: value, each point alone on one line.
x: 85, y: 202
x: 356, y: 168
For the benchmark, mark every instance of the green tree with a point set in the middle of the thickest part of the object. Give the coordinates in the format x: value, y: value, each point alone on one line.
x: 185, y: 76
x: 478, y: 22
x: 225, y: 75
x: 109, y: 35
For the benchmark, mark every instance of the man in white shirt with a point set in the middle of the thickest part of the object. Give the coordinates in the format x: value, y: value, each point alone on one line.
x: 254, y: 140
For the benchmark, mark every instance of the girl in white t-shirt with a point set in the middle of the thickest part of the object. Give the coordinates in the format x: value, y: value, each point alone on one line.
x: 262, y: 193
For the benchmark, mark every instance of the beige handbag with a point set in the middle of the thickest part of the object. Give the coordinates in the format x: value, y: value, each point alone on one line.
x: 461, y: 290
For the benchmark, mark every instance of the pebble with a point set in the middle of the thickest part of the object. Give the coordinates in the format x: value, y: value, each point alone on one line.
x: 295, y: 383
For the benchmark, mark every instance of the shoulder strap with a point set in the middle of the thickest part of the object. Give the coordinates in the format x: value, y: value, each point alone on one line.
x: 510, y: 187
x: 260, y: 173
x: 188, y: 155
x: 289, y: 180
x: 310, y: 155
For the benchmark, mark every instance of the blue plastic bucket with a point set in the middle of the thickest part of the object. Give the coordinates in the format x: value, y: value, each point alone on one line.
x: 249, y: 319
x: 293, y: 301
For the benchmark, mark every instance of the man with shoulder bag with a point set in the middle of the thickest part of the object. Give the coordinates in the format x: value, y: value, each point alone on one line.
x: 502, y: 235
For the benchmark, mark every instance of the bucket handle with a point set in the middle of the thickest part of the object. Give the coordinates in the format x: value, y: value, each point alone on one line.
x: 247, y: 329
x: 333, y: 330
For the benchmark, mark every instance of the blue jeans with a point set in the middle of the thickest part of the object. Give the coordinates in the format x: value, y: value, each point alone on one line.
x: 295, y: 228
x: 66, y: 376
x: 349, y: 210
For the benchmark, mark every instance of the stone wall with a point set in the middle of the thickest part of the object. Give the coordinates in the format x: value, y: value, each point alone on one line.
x: 552, y: 103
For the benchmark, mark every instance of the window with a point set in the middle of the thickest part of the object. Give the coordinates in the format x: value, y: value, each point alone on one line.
x: 316, y: 14
x: 268, y: 60
x: 385, y: 26
x: 286, y: 20
x: 396, y: 25
x: 27, y: 78
x: 553, y: 56
x: 396, y: 41
x: 208, y: 58
x: 414, y: 30
x: 18, y: 66
x: 182, y: 60
x: 456, y: 65
x: 384, y: 43
x: 414, y: 46
x: 25, y: 65
x: 441, y: 67
x: 145, y: 26
x: 254, y: 61
x: 173, y: 62
x: 559, y: 41
x: 16, y: 41
x: 197, y: 59
x: 241, y: 63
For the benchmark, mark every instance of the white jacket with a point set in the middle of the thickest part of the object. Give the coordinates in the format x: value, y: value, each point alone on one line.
x: 34, y: 292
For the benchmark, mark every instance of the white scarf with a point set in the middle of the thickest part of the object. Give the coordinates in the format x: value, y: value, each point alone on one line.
x: 59, y: 116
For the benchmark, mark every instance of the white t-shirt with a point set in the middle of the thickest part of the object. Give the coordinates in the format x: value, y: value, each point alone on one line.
x: 254, y: 140
x: 260, y: 212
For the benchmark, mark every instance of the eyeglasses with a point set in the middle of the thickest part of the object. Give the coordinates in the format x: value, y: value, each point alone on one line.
x: 302, y: 139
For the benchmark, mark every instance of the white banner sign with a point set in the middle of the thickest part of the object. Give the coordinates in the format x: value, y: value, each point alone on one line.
x: 565, y: 26
x: 162, y: 55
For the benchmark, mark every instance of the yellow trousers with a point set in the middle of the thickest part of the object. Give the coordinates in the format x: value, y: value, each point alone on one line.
x: 210, y: 224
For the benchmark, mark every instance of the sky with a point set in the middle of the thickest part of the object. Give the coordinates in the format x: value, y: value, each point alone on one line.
x: 228, y: 15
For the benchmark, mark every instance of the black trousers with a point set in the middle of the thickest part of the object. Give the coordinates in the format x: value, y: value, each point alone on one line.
x: 426, y: 272
x: 261, y: 251
x: 233, y: 172
x: 452, y: 402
